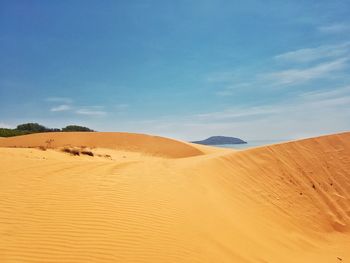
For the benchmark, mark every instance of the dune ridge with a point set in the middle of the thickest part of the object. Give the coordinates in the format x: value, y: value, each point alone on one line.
x: 287, y: 202
x: 114, y: 140
x: 307, y: 175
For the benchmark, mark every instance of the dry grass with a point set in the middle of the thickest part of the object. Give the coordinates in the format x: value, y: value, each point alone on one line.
x: 77, y: 151
x: 71, y: 151
x: 104, y: 156
x: 43, y: 148
x: 89, y: 153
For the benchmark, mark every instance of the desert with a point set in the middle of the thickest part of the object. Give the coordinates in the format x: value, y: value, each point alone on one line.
x: 143, y: 198
x: 152, y: 131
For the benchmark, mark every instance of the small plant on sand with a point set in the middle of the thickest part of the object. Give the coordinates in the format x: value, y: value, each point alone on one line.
x: 90, y: 153
x: 49, y: 142
x: 77, y: 152
x: 71, y: 151
x: 43, y: 148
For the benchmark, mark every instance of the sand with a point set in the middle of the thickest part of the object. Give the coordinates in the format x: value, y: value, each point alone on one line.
x: 150, y: 199
x: 154, y: 145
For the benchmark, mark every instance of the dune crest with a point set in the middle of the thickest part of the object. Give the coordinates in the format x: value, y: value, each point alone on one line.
x: 154, y: 145
x: 281, y: 203
x: 307, y: 179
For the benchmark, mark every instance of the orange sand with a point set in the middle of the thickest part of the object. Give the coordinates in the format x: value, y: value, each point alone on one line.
x: 160, y: 200
x: 114, y: 140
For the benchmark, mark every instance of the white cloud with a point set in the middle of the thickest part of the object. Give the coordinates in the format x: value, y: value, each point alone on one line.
x: 302, y: 75
x: 91, y: 112
x: 335, y: 28
x: 304, y: 115
x: 331, y: 98
x: 288, y: 69
x: 236, y: 113
x: 288, y: 77
x: 326, y: 94
x: 62, y: 107
x: 312, y: 54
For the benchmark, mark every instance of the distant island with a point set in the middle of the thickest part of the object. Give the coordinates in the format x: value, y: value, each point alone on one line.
x: 220, y: 140
x: 29, y: 128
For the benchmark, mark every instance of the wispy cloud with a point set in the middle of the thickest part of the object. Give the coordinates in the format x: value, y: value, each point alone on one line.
x: 317, y: 53
x: 335, y: 28
x: 305, y: 115
x: 297, y: 67
x: 287, y: 77
x: 302, y: 75
x: 326, y: 94
x: 236, y: 113
x: 63, y: 107
x: 327, y: 99
x: 92, y: 111
x: 232, y: 87
x: 67, y: 105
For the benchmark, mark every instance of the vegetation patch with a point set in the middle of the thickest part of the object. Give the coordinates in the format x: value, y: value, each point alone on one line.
x: 71, y: 151
x: 43, y: 148
x: 29, y: 128
x: 90, y: 153
x: 77, y: 151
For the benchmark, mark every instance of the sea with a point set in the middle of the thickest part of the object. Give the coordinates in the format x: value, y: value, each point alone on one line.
x: 250, y: 144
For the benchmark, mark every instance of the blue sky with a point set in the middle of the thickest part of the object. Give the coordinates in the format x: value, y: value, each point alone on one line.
x: 185, y: 69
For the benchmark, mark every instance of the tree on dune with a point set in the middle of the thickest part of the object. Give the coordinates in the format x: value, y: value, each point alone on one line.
x: 73, y: 128
x: 28, y: 128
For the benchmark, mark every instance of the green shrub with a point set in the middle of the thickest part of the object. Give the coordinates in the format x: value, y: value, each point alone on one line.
x: 12, y: 132
x: 32, y: 127
x: 28, y: 128
x: 76, y: 128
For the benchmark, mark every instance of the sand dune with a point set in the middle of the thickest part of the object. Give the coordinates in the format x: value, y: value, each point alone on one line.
x: 154, y: 145
x: 281, y: 203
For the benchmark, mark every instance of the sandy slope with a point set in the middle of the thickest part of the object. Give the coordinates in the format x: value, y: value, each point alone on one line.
x: 282, y: 203
x: 154, y: 145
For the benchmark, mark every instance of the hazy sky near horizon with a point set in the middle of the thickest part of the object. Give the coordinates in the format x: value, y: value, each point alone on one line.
x: 186, y: 69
